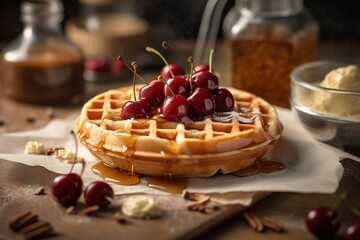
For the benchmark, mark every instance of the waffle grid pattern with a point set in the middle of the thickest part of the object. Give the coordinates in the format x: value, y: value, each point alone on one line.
x: 104, y: 110
x: 225, y: 142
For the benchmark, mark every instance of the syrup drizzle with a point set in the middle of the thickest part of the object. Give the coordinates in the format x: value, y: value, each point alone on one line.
x: 113, y: 175
x: 168, y: 184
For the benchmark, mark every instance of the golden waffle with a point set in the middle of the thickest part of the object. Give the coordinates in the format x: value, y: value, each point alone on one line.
x: 223, y: 142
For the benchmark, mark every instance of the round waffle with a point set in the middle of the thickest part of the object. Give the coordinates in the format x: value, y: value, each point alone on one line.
x: 223, y: 142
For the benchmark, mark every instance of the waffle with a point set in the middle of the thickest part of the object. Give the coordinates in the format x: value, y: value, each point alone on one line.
x: 223, y: 142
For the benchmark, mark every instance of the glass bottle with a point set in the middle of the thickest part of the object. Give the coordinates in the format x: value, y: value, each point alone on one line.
x: 265, y: 40
x: 41, y: 65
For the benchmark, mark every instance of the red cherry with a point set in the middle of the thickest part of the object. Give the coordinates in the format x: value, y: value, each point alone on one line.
x: 67, y: 189
x: 352, y: 232
x: 175, y: 108
x: 138, y: 109
x: 201, y: 102
x: 154, y: 92
x: 97, y: 65
x: 153, y: 80
x: 117, y: 67
x: 323, y: 222
x: 202, y: 67
x: 165, y: 73
x: 205, y: 79
x: 224, y: 100
x: 97, y: 193
x: 178, y: 85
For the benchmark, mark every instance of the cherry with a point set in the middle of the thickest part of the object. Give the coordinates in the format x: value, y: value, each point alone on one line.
x: 170, y: 70
x: 206, y: 67
x: 117, y: 67
x: 98, y: 65
x: 202, y: 67
x: 153, y: 80
x: 323, y: 222
x: 136, y: 109
x: 67, y: 188
x: 205, y: 79
x: 201, y: 102
x: 176, y: 70
x: 174, y: 108
x: 352, y: 232
x: 98, y: 193
x: 154, y: 92
x: 178, y: 85
x: 224, y: 100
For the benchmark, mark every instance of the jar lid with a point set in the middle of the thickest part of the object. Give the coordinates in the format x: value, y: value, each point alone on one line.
x: 100, y: 2
x: 40, y: 10
x: 271, y: 8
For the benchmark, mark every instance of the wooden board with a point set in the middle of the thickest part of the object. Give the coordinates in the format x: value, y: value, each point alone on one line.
x: 18, y: 183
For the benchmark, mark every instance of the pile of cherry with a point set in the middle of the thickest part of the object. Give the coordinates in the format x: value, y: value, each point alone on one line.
x: 178, y: 96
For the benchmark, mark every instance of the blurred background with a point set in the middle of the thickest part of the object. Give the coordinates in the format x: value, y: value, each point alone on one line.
x: 338, y: 19
x: 145, y: 23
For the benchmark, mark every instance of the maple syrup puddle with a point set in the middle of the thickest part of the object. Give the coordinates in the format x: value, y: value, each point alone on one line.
x: 260, y: 166
x: 121, y: 177
x: 113, y: 175
x: 168, y: 184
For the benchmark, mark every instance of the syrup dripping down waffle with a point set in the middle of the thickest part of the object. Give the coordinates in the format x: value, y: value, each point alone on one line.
x: 224, y: 142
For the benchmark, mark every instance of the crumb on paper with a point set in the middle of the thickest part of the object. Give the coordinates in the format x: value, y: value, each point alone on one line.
x: 141, y: 206
x: 39, y: 191
x: 67, y: 156
x: 198, y: 197
x: 62, y: 154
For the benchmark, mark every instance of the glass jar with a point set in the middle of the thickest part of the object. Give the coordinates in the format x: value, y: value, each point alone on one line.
x: 41, y: 65
x: 265, y: 41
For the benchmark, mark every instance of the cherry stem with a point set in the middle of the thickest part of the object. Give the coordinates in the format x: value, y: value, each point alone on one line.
x: 340, y: 199
x: 152, y: 50
x: 351, y: 207
x: 167, y: 85
x: 121, y: 59
x: 165, y: 45
x: 133, y: 64
x: 211, y: 59
x: 354, y: 210
x: 75, y: 155
x: 190, y: 60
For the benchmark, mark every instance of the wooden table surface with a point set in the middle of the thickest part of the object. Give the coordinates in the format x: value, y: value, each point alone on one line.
x: 288, y: 209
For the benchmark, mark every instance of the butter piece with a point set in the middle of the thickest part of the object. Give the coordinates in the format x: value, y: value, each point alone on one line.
x: 343, y: 106
x: 344, y: 78
x: 35, y: 148
x: 141, y: 206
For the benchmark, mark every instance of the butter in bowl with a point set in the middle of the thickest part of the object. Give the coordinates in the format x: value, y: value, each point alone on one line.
x: 325, y: 97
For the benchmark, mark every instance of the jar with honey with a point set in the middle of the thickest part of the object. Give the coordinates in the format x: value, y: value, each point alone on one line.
x: 265, y: 40
x: 41, y: 65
